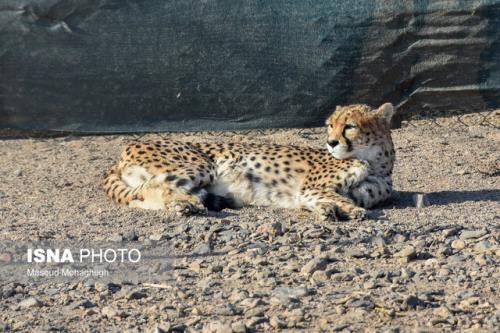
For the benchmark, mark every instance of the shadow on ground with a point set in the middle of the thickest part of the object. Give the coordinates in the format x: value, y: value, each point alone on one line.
x: 403, y: 199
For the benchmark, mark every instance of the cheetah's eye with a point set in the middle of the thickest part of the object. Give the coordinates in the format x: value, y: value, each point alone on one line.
x: 349, y: 126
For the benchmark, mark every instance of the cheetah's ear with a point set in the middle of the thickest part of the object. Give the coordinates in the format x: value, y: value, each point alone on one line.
x: 386, y: 111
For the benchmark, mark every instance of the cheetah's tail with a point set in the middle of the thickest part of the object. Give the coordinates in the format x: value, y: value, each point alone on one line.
x: 117, y: 190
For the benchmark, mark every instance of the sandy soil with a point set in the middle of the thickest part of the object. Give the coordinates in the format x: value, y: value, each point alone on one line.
x: 258, y: 269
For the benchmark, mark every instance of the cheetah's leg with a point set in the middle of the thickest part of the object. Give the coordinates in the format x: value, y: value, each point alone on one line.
x: 175, y: 193
x: 330, y: 205
x: 371, y: 191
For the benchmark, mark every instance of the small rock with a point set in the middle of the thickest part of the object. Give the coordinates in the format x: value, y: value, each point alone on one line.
x: 413, y: 301
x: 481, y: 260
x: 18, y: 173
x: 227, y: 310
x: 157, y: 237
x: 136, y: 295
x: 369, y: 285
x: 408, y: 252
x: 355, y: 253
x: 4, y: 327
x: 420, y: 200
x: 290, y: 292
x: 340, y: 327
x: 216, y: 268
x: 469, y: 234
x: 450, y: 232
x: 468, y: 302
x: 443, y: 312
x: 314, y: 265
x: 86, y: 304
x: 52, y: 291
x: 161, y: 329
x: 273, y: 229
x: 398, y: 238
x: 115, y: 238
x: 276, y: 322
x: 250, y: 303
x: 443, y: 272
x: 456, y: 258
x: 444, y: 251
x: 458, y: 244
x: 195, y: 266
x: 5, y: 257
x: 482, y: 246
x: 109, y: 311
x: 239, y: 327
x: 217, y: 327
x: 378, y: 241
x: 255, y: 321
x: 130, y: 236
x: 321, y: 276
x: 202, y: 250
x: 30, y: 302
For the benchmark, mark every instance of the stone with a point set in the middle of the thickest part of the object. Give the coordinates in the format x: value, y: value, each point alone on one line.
x: 420, y: 200
x: 398, y: 238
x: 134, y: 295
x: 443, y: 312
x: 217, y: 327
x: 321, y: 276
x: 109, y: 312
x: 291, y: 292
x: 369, y: 285
x: 202, y: 249
x: 450, y: 232
x: 157, y: 237
x: 276, y: 322
x: 481, y: 260
x: 195, y: 266
x: 161, y: 329
x: 18, y: 173
x: 239, y: 327
x: 470, y: 234
x: 413, y: 301
x: 273, y: 229
x: 482, y: 246
x: 130, y: 236
x: 30, y: 302
x: 254, y: 321
x: 408, y: 252
x: 314, y: 265
x: 458, y: 244
x: 116, y: 238
x: 250, y: 303
x: 86, y: 304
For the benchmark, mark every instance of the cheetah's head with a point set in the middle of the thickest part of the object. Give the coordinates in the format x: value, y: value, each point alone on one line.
x: 357, y: 131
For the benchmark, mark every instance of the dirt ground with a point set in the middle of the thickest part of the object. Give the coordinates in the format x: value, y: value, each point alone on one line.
x: 405, y: 269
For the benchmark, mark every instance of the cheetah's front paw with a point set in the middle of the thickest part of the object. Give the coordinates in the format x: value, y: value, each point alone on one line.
x: 357, y: 213
x: 327, y: 212
x: 186, y: 208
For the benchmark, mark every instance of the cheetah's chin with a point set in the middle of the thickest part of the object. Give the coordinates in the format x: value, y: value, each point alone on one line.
x: 338, y: 154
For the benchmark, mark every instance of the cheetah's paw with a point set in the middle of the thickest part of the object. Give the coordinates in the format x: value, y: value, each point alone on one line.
x: 327, y: 212
x: 186, y: 208
x: 357, y: 213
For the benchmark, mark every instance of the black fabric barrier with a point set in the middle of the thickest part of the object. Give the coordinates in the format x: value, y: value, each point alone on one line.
x: 167, y: 65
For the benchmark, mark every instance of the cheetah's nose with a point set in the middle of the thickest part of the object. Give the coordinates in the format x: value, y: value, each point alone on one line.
x: 333, y: 143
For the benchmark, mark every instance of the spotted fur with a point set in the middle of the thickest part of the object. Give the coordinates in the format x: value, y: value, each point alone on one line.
x: 353, y: 173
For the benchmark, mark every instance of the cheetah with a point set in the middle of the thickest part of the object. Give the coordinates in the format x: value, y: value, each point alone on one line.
x: 351, y: 174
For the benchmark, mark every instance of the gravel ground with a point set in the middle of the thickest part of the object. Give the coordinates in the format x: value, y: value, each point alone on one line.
x: 405, y: 269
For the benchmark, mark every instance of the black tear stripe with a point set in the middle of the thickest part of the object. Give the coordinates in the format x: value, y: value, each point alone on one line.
x: 349, y: 143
